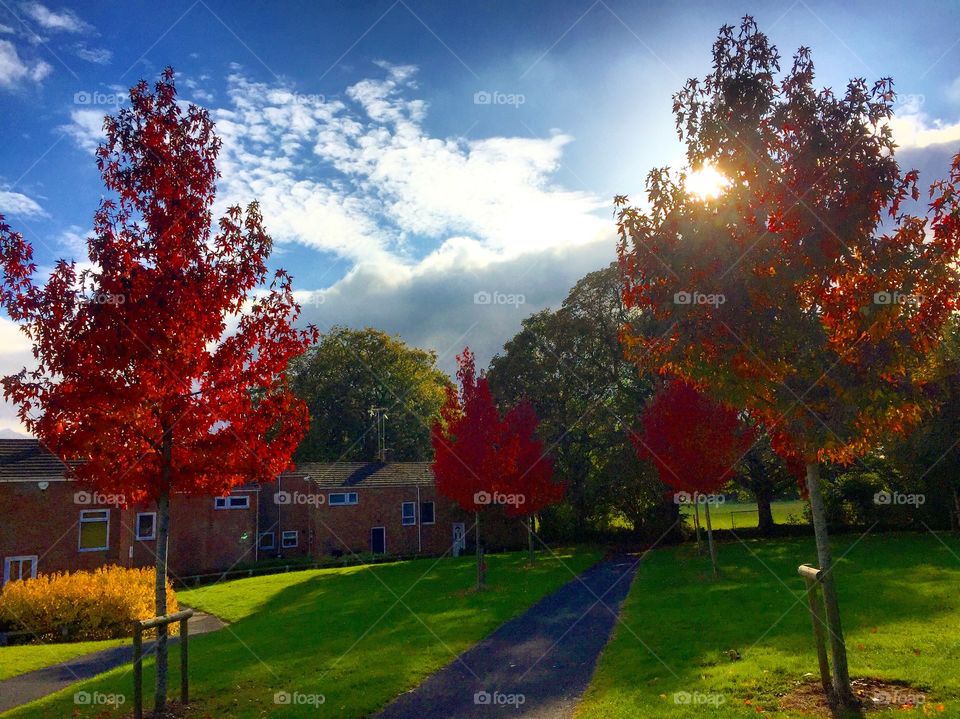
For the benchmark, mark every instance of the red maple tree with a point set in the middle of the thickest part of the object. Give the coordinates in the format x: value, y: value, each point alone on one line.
x: 804, y: 291
x: 160, y: 370
x: 483, y: 460
x: 694, y: 442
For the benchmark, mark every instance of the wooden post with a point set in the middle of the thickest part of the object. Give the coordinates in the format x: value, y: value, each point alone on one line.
x: 138, y: 628
x: 696, y: 524
x: 812, y: 576
x: 713, y: 547
x: 184, y: 678
x: 137, y: 671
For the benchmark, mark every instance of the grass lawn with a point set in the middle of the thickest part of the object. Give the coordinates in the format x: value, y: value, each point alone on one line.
x: 25, y: 658
x: 359, y: 636
x: 898, y: 599
x: 743, y: 515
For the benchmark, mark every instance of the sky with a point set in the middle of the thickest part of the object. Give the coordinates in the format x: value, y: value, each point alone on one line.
x: 436, y: 169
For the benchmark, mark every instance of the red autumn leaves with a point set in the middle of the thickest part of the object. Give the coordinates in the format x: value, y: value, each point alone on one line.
x: 482, y: 458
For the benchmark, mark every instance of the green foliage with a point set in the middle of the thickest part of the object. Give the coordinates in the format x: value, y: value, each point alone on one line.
x: 348, y: 372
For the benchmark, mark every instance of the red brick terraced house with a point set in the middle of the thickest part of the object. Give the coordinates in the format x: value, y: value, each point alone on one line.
x: 50, y: 523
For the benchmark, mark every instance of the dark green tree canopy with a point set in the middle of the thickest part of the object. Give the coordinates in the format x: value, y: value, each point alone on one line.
x: 351, y: 371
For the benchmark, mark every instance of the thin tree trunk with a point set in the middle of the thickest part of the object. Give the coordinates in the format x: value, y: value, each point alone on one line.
x: 696, y: 524
x: 533, y: 557
x: 160, y: 599
x: 480, y: 577
x: 764, y: 510
x: 838, y: 650
x: 713, y: 547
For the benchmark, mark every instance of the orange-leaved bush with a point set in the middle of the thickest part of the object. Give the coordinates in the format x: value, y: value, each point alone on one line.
x: 81, y: 606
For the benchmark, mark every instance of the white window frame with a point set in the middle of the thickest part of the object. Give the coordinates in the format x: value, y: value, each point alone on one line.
x: 349, y: 498
x: 273, y: 541
x: 228, y: 502
x: 285, y: 534
x: 83, y: 520
x: 406, y: 521
x: 153, y: 533
x: 32, y: 558
x: 432, y: 504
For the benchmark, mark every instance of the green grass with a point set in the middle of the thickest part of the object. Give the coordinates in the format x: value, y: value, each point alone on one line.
x: 24, y: 658
x: 743, y: 515
x: 898, y: 598
x: 359, y: 636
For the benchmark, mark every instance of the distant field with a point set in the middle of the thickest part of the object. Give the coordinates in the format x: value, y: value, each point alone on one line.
x: 743, y: 515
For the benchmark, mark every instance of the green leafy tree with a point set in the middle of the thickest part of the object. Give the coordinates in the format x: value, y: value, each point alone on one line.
x: 349, y: 372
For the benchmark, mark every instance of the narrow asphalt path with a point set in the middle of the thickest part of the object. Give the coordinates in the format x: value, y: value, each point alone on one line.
x: 536, y: 665
x: 41, y: 682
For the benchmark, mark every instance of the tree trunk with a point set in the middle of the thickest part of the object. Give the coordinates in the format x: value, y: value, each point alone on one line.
x: 533, y: 556
x: 160, y: 599
x: 480, y: 578
x: 764, y: 511
x: 838, y: 650
x: 713, y: 547
x: 696, y: 524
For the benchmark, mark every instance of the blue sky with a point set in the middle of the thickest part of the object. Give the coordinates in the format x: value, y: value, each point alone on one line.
x: 411, y: 154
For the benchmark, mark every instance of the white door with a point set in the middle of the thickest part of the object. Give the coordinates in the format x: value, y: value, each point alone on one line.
x: 459, y: 538
x: 19, y: 568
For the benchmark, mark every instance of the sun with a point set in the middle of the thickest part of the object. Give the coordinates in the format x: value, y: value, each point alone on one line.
x: 706, y: 183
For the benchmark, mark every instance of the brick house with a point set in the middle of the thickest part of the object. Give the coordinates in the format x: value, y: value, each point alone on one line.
x: 49, y: 523
x: 330, y: 509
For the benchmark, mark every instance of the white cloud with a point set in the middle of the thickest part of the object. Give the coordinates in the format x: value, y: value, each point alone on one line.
x: 96, y: 55
x: 6, y: 29
x: 85, y: 127
x: 62, y: 21
x: 913, y: 128
x: 15, y: 354
x: 15, y: 203
x: 13, y: 70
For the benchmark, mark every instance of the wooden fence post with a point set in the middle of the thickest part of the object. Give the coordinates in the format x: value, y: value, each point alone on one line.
x: 137, y: 671
x: 812, y: 576
x: 138, y: 627
x: 184, y: 678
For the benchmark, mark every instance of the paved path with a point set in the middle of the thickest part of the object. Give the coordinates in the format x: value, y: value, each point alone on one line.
x: 41, y: 682
x: 547, y: 655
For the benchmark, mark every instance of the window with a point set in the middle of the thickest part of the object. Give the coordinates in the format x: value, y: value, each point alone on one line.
x: 146, y: 525
x: 94, y: 529
x: 427, y: 513
x: 290, y: 538
x: 266, y: 540
x: 15, y: 568
x: 408, y: 513
x: 234, y: 501
x: 341, y: 498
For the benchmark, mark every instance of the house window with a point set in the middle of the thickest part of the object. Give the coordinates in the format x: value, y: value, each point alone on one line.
x: 234, y: 501
x: 341, y: 498
x: 290, y: 538
x: 427, y: 513
x: 146, y: 525
x: 94, y: 529
x: 408, y: 513
x: 15, y: 568
x: 266, y: 540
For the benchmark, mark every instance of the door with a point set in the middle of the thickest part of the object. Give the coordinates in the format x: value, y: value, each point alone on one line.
x: 378, y: 540
x: 459, y: 538
x: 19, y: 568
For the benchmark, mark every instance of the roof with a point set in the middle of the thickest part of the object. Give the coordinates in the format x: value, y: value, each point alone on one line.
x: 366, y: 474
x: 25, y: 460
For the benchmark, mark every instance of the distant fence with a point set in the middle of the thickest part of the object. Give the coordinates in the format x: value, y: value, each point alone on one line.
x: 735, y: 512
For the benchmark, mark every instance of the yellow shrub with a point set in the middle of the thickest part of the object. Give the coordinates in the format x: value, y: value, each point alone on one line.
x: 79, y: 606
